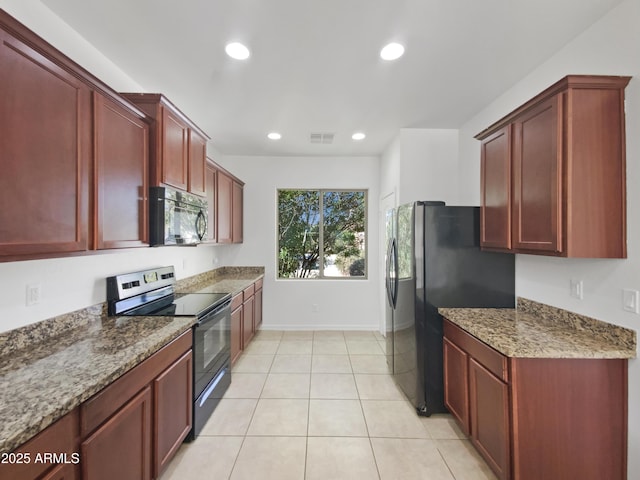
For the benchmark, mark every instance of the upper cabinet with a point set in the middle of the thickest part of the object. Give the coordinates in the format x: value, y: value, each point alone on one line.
x: 178, y: 146
x: 225, y: 195
x: 553, y: 172
x: 74, y: 155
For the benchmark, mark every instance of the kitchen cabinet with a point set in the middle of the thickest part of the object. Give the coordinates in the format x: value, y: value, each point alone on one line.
x: 246, y: 318
x: 78, y: 149
x: 533, y: 418
x: 45, y: 120
x: 211, y: 178
x: 229, y: 214
x: 134, y: 426
x: 553, y: 172
x: 61, y: 438
x: 177, y: 145
x: 120, y: 176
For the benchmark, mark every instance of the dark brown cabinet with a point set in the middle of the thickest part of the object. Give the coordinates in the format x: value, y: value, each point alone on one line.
x: 246, y: 318
x: 45, y: 146
x: 533, y: 418
x: 120, y: 176
x: 177, y: 145
x: 211, y: 177
x: 228, y: 212
x: 173, y: 410
x: 553, y: 172
x: 121, y: 447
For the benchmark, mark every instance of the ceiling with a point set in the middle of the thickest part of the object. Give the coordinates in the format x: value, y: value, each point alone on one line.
x: 315, y: 65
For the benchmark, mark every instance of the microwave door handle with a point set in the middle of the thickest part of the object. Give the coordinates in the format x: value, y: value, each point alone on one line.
x: 201, y: 225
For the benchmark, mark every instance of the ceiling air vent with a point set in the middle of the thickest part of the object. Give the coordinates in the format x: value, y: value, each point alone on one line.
x: 321, y: 137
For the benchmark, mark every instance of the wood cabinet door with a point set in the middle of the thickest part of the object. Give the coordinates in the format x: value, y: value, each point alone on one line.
x: 456, y: 383
x: 224, y: 210
x: 248, y: 319
x: 212, y: 203
x: 489, y: 415
x: 197, y: 162
x: 495, y: 207
x: 257, y: 310
x: 121, y: 152
x: 121, y: 447
x: 173, y: 412
x: 45, y: 140
x: 537, y: 178
x: 236, y: 334
x: 66, y: 471
x: 175, y: 156
x: 237, y: 213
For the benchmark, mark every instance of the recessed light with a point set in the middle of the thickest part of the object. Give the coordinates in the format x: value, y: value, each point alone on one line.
x: 274, y: 136
x: 392, y: 51
x: 358, y: 136
x: 237, y: 50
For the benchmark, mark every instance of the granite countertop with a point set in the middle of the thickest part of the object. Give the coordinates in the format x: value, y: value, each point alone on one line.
x: 538, y: 331
x: 49, y: 368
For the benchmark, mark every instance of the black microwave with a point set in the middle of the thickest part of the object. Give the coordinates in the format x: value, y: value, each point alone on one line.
x: 176, y: 218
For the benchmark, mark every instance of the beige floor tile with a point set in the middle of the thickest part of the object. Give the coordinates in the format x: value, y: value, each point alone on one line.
x: 297, y: 335
x: 375, y: 364
x: 280, y: 417
x: 409, y: 459
x: 442, y: 427
x: 377, y: 387
x: 291, y: 364
x: 245, y: 385
x: 331, y: 364
x: 359, y: 335
x: 379, y: 336
x: 329, y: 347
x: 278, y: 458
x: 287, y: 385
x: 336, y: 418
x: 392, y: 419
x: 333, y: 386
x: 194, y: 458
x: 340, y: 458
x: 253, y: 364
x: 463, y: 460
x: 231, y: 417
x: 262, y: 347
x: 328, y: 335
x: 295, y: 347
x: 272, y: 335
x: 364, y: 347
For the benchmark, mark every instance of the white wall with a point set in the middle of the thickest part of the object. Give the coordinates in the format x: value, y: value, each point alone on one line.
x: 342, y: 304
x: 610, y: 46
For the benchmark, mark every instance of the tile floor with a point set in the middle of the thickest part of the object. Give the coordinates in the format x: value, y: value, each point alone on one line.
x: 321, y: 406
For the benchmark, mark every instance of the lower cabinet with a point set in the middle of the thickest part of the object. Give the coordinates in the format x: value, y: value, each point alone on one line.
x: 538, y: 418
x: 246, y: 318
x: 121, y: 447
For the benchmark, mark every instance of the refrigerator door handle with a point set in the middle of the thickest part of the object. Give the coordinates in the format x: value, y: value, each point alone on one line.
x: 395, y: 272
x: 387, y: 280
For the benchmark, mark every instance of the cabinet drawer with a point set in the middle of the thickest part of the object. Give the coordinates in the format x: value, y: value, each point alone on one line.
x: 103, y: 404
x: 248, y: 292
x: 258, y: 284
x: 489, y: 358
x: 236, y: 302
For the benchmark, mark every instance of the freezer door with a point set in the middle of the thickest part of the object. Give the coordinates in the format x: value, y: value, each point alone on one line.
x: 390, y: 280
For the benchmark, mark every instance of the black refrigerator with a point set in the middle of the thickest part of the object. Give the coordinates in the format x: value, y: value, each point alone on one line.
x: 434, y: 260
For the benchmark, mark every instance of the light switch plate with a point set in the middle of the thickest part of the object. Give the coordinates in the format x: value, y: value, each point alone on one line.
x: 631, y: 300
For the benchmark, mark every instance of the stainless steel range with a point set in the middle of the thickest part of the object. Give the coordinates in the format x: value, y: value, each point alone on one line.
x: 152, y: 293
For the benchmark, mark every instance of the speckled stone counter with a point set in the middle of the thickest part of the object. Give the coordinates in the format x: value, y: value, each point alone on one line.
x: 536, y: 330
x: 49, y: 368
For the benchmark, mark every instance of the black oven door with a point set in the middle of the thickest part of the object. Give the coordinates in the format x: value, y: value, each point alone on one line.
x: 211, y: 346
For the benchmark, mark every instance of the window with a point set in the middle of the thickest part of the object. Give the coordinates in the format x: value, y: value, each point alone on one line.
x: 322, y: 233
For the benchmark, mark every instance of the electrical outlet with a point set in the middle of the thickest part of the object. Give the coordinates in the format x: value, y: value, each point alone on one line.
x: 576, y: 288
x: 34, y: 294
x: 631, y: 300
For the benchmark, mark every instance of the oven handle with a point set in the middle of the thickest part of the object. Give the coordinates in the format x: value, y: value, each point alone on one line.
x: 214, y: 313
x: 205, y: 395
